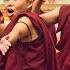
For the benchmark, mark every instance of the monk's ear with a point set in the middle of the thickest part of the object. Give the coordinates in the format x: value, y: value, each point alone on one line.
x: 30, y: 3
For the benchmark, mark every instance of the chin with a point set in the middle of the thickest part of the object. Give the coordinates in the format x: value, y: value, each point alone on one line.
x: 10, y: 14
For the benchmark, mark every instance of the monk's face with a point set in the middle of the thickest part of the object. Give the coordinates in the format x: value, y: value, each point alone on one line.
x: 13, y: 6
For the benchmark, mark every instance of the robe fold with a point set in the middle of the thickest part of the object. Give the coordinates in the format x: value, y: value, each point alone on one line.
x: 64, y: 44
x: 38, y: 54
x: 52, y: 30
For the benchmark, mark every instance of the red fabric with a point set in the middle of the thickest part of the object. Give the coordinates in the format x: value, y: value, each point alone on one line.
x: 35, y: 55
x: 63, y: 26
x: 52, y: 30
x: 64, y: 43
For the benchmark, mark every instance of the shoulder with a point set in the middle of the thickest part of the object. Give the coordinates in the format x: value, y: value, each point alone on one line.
x: 31, y: 30
x: 25, y: 20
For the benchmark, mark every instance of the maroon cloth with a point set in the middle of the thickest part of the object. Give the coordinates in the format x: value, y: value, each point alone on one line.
x: 35, y: 55
x: 52, y: 30
x: 64, y: 43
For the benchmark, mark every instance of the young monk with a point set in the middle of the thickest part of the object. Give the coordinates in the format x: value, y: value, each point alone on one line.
x: 10, y: 14
x: 32, y: 47
x: 64, y: 41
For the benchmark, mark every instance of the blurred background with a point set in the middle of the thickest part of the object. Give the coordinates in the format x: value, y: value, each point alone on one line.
x: 47, y: 5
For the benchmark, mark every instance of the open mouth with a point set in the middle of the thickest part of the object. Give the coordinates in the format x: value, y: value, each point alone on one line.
x: 10, y: 10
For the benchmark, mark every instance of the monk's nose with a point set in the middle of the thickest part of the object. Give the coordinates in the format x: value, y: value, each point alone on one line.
x: 9, y: 3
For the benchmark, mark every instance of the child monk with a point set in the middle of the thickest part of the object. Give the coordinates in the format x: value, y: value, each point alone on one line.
x: 32, y: 46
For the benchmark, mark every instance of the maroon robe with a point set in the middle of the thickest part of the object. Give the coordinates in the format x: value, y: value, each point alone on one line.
x: 52, y: 30
x: 64, y: 43
x: 35, y: 55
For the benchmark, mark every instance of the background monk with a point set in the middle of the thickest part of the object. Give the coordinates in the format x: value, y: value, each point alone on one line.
x: 64, y: 43
x: 62, y: 16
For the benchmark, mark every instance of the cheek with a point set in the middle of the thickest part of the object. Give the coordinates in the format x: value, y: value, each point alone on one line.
x: 20, y: 6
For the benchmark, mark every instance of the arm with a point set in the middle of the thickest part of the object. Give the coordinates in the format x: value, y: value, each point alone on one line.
x: 2, y: 27
x: 36, y: 5
x: 19, y: 31
x: 51, y: 17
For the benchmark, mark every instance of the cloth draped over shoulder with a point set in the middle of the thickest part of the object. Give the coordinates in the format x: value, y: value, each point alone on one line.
x: 64, y: 44
x: 52, y: 30
x: 48, y: 44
